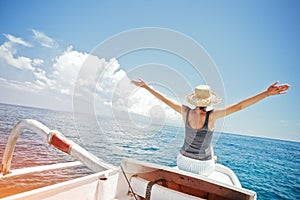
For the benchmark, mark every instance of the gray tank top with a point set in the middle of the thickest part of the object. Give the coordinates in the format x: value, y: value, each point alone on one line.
x: 197, y: 143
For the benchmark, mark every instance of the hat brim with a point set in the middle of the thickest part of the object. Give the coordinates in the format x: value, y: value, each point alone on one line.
x: 196, y: 101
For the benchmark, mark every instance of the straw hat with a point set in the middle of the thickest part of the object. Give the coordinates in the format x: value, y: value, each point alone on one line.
x: 203, y: 97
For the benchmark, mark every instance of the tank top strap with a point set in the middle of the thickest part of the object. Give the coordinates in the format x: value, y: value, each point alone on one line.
x: 187, y: 116
x: 206, y: 119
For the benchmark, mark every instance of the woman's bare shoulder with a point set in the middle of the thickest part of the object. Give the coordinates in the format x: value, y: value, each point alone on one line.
x: 184, y: 109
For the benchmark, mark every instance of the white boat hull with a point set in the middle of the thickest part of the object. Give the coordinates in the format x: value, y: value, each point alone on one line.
x: 167, y: 184
x: 132, y: 180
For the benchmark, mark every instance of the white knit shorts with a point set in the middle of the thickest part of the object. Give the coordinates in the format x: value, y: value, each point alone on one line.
x: 203, y: 167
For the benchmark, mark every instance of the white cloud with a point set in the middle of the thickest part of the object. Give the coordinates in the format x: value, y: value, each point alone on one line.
x: 67, y: 65
x: 37, y: 62
x: 65, y: 91
x: 60, y: 77
x: 66, y: 68
x: 15, y: 40
x: 17, y: 85
x: 143, y: 103
x: 43, y: 39
x: 103, y: 80
x: 19, y: 62
x: 111, y: 74
x: 8, y: 54
x: 43, y: 80
x: 103, y: 84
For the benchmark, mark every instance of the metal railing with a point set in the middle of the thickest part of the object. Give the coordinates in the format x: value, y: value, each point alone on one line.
x: 54, y: 138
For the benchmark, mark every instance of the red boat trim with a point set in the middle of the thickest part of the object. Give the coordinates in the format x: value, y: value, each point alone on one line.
x: 61, y: 142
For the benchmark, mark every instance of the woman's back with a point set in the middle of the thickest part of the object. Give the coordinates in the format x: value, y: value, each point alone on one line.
x: 197, y: 141
x: 196, y: 118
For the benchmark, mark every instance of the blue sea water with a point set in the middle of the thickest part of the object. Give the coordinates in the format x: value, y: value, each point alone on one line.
x: 269, y: 167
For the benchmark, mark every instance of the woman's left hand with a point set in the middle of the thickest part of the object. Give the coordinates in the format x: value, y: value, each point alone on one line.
x: 139, y: 83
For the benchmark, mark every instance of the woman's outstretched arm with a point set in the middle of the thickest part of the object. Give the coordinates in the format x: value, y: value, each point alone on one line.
x: 272, y: 90
x: 173, y: 104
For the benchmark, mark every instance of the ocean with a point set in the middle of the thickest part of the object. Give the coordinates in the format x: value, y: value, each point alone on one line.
x: 269, y: 167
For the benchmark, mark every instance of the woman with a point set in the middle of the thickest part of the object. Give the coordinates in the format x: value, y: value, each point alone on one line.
x: 196, y: 154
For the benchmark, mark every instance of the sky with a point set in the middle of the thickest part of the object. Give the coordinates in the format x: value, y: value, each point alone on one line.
x: 44, y: 45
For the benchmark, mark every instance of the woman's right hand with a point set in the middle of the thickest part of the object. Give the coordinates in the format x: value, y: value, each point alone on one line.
x: 275, y: 89
x: 139, y: 83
